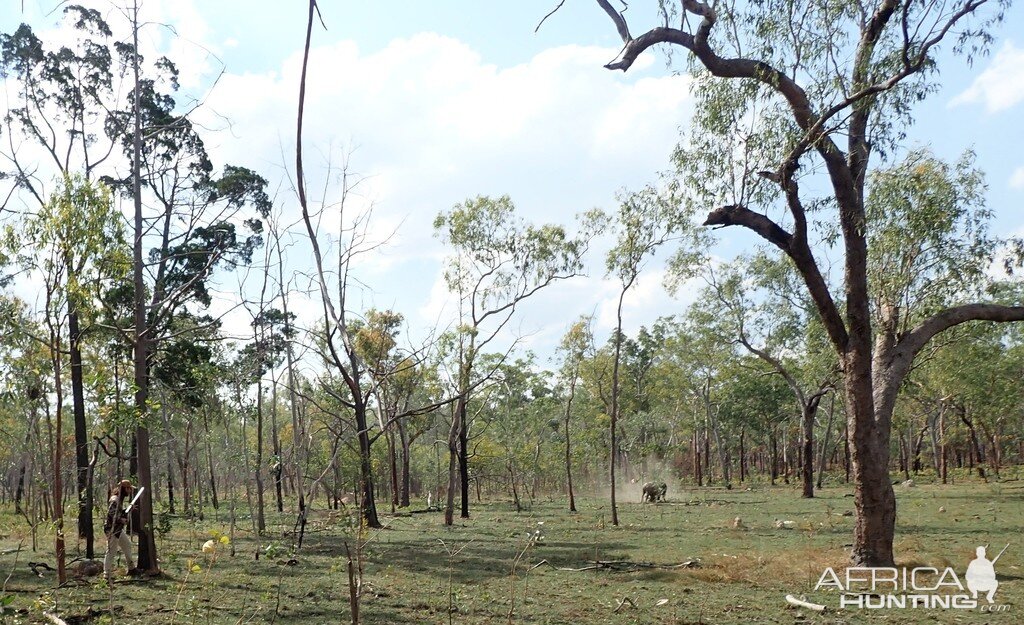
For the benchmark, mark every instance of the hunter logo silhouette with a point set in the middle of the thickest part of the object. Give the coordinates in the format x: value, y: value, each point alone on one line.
x: 928, y: 587
x: 981, y: 575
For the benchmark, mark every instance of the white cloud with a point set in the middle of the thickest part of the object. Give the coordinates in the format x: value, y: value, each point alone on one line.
x: 1017, y: 178
x: 434, y: 123
x: 1001, y: 85
x: 431, y: 122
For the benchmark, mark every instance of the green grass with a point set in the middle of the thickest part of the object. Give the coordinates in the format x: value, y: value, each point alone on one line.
x: 743, y: 576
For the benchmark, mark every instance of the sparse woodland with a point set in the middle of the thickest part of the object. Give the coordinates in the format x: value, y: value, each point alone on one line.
x: 862, y: 340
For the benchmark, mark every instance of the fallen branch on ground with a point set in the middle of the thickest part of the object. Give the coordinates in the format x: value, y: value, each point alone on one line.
x: 623, y: 602
x: 800, y: 603
x: 621, y: 566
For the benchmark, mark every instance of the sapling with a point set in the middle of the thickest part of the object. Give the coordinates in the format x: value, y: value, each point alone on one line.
x: 451, y: 569
x: 532, y: 539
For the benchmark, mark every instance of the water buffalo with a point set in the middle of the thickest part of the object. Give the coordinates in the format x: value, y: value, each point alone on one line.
x: 654, y: 491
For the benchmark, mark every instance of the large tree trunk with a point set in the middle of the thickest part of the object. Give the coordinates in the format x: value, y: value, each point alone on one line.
x: 393, y: 467
x: 568, y: 445
x: 464, y: 460
x: 846, y: 454
x: 56, y: 442
x: 874, y: 499
x: 994, y: 452
x: 141, y: 347
x: 403, y: 437
x: 184, y: 466
x: 826, y: 442
x: 85, y: 528
x: 785, y: 453
x: 614, y: 439
x: 723, y: 452
x: 904, y: 456
x: 261, y: 522
x: 170, y: 481
x: 743, y: 456
x: 275, y: 437
x: 20, y: 491
x: 698, y: 475
x: 26, y: 450
x: 458, y: 440
x: 978, y: 454
x: 942, y: 443
x: 209, y: 457
x: 810, y: 410
x: 706, y: 441
x: 453, y: 460
x: 90, y: 473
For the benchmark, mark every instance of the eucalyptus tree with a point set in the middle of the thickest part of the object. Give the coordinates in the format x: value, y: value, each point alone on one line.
x: 140, y: 142
x: 271, y: 333
x: 54, y: 125
x: 787, y: 90
x: 358, y: 355
x: 61, y: 96
x: 24, y: 385
x: 644, y: 428
x: 930, y: 247
x: 976, y: 381
x: 756, y: 400
x: 573, y: 348
x: 397, y: 375
x: 414, y: 385
x: 694, y: 348
x: 203, y: 220
x: 498, y: 261
x: 185, y: 376
x: 753, y: 303
x: 518, y: 410
x: 72, y: 246
x: 300, y: 442
x: 646, y: 220
x: 406, y: 389
x: 358, y: 350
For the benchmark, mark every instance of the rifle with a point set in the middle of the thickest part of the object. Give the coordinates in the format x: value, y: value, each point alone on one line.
x: 139, y: 494
x: 1000, y: 553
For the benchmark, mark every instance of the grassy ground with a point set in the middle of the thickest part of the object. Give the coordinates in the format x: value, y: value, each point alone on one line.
x: 742, y: 577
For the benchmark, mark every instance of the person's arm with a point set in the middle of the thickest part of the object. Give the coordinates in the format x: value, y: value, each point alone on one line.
x: 112, y: 515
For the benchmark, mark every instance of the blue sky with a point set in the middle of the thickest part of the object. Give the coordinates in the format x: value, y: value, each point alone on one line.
x: 444, y: 100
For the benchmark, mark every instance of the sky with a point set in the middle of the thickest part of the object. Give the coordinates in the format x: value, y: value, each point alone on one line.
x: 436, y: 102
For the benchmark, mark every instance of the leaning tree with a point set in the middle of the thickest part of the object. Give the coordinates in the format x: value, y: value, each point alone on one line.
x: 804, y: 93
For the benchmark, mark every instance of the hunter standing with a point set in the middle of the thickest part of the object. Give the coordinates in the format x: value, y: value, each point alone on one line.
x: 116, y: 527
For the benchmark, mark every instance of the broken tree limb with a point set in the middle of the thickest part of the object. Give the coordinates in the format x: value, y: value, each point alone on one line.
x: 623, y: 601
x: 39, y: 567
x: 801, y: 603
x: 622, y: 566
